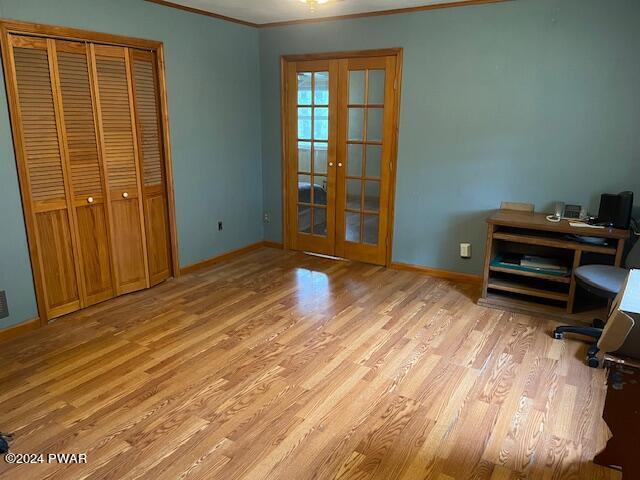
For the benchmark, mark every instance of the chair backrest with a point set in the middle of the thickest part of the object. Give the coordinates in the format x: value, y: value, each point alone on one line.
x: 633, y: 258
x: 517, y: 206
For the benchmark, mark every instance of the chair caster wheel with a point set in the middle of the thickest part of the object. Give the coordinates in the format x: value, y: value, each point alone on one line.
x: 5, y: 438
x: 593, y: 362
x: 558, y: 335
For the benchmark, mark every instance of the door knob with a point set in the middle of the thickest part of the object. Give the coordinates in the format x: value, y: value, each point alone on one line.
x: 90, y: 200
x: 331, y: 164
x: 125, y: 195
x: 339, y: 164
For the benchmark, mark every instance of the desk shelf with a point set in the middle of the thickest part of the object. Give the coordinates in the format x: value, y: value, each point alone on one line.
x: 537, y: 292
x: 526, y: 273
x: 506, y: 301
x: 552, y: 242
x: 524, y: 289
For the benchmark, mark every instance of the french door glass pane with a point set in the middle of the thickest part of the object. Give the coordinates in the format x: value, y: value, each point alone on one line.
x: 304, y: 188
x: 321, y: 123
x: 354, y: 190
x: 354, y: 160
x: 313, y: 138
x: 373, y: 160
x: 320, y: 221
x: 304, y: 156
x: 320, y: 157
x: 374, y: 124
x: 304, y: 88
x: 370, y: 230
x: 356, y: 124
x: 352, y: 227
x: 321, y: 88
x: 376, y: 87
x: 356, y: 87
x: 304, y: 123
x: 304, y: 219
x: 365, y: 130
x: 320, y: 190
x: 372, y: 195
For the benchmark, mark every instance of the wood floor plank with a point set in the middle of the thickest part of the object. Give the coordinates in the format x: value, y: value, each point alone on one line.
x: 278, y: 364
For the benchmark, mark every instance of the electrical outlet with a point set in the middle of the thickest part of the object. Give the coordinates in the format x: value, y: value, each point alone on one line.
x: 219, y: 226
x: 465, y: 250
x: 267, y: 217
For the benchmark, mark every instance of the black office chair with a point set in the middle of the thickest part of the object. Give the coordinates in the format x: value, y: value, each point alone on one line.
x: 603, y: 281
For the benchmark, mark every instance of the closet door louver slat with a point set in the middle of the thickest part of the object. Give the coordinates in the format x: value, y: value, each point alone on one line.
x: 86, y: 172
x: 149, y: 130
x: 44, y: 161
x: 46, y: 189
x: 115, y: 120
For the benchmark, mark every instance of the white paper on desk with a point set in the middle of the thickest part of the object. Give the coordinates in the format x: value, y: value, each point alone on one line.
x: 631, y: 299
x: 584, y: 225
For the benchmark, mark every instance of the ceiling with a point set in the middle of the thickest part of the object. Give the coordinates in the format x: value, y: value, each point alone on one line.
x: 270, y: 11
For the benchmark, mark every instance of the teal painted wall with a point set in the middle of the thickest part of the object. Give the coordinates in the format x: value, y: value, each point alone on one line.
x: 530, y: 100
x: 212, y: 70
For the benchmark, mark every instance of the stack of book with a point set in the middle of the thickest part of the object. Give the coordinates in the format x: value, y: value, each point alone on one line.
x: 532, y: 263
x: 544, y: 264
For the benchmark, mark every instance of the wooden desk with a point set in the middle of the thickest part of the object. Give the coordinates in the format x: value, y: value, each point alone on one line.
x: 533, y: 292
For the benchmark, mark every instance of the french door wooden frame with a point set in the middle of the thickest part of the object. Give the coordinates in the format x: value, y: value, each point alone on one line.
x: 48, y: 33
x: 318, y: 62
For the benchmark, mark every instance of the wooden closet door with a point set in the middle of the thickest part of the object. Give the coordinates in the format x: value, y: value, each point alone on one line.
x: 150, y: 148
x: 44, y: 179
x: 87, y: 182
x: 118, y: 143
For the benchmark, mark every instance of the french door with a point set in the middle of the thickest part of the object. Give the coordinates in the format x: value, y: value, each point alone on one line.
x: 340, y: 138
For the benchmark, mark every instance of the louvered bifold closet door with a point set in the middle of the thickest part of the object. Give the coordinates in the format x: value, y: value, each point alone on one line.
x: 44, y: 175
x: 122, y: 169
x: 87, y: 182
x: 150, y: 147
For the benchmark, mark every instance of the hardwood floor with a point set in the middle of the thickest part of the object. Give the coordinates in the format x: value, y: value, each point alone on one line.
x: 282, y: 365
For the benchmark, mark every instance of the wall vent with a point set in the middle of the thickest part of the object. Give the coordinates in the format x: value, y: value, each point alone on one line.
x: 4, y: 308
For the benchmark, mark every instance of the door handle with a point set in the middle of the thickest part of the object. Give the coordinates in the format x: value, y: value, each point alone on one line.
x: 339, y: 164
x: 331, y: 164
x: 125, y: 195
x: 90, y: 200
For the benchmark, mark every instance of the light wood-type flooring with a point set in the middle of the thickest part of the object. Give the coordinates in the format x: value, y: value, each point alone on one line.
x: 282, y: 365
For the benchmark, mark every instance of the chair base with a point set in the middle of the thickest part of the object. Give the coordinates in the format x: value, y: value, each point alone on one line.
x: 595, y: 331
x: 593, y: 360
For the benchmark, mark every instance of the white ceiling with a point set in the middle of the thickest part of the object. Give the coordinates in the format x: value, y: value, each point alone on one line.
x: 267, y: 11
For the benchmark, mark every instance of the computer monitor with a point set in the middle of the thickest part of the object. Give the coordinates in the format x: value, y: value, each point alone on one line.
x: 615, y: 210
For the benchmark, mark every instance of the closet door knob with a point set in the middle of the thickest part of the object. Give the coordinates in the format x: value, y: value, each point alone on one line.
x: 90, y: 200
x: 331, y: 164
x: 339, y: 164
x: 125, y: 195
